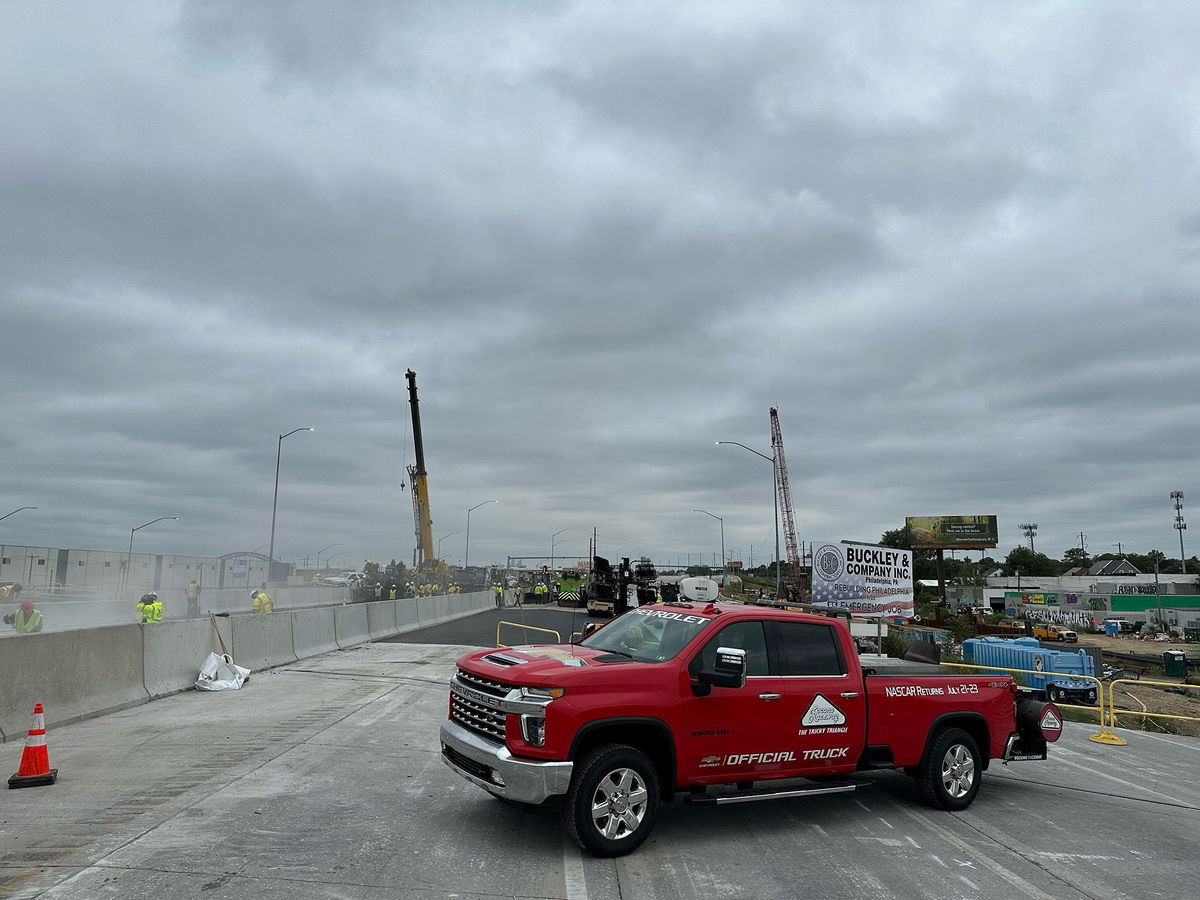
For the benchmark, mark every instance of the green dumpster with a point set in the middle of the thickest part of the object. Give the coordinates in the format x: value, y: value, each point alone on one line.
x: 1174, y: 664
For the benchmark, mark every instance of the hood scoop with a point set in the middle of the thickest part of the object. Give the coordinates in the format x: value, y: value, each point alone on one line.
x: 501, y: 660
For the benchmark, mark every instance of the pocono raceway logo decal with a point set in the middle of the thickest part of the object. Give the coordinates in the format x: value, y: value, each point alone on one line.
x: 823, y: 717
x: 1050, y: 722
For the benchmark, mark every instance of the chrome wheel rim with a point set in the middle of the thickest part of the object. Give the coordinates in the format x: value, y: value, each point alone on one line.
x: 958, y: 771
x: 619, y: 804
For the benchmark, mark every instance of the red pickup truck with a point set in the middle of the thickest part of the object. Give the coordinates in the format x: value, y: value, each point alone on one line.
x: 720, y: 703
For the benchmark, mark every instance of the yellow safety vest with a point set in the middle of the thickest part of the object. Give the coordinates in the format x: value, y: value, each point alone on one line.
x: 262, y: 603
x: 28, y: 623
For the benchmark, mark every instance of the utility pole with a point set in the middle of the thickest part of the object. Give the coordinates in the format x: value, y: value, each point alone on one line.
x: 1180, y: 526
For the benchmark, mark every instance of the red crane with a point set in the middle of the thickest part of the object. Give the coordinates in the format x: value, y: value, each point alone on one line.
x: 785, y: 503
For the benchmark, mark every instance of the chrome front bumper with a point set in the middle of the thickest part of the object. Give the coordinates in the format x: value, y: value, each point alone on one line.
x: 492, y: 767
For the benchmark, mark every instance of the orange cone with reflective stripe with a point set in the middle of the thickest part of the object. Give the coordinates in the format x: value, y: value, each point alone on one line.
x: 35, y: 761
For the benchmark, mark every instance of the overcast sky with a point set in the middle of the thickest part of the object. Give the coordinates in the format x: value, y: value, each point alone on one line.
x: 957, y: 245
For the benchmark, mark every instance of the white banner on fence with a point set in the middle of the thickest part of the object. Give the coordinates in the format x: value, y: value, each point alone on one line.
x: 865, y: 579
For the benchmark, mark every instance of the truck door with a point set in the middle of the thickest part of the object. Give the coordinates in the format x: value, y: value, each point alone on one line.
x: 736, y: 734
x: 821, y: 696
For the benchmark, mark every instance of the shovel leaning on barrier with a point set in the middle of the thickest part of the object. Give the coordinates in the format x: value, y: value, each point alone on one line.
x: 220, y: 673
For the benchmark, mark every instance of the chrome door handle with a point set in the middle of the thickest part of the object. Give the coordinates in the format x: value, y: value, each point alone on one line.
x: 848, y: 694
x: 769, y: 696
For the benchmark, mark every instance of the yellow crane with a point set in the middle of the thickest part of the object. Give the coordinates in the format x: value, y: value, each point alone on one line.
x: 419, y: 479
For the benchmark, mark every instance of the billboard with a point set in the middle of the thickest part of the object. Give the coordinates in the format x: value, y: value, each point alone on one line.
x: 953, y: 532
x: 864, y: 579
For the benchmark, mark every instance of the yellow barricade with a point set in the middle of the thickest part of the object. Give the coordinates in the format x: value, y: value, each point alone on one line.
x: 1101, y: 736
x: 557, y: 636
x: 1144, y: 713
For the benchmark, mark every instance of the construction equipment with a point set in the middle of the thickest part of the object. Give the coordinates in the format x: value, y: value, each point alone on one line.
x: 420, y: 483
x: 795, y: 583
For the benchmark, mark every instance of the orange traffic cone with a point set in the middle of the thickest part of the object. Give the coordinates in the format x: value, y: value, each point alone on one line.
x: 35, y: 761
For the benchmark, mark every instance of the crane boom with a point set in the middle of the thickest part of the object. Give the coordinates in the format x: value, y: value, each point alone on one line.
x: 785, y: 503
x: 420, y: 480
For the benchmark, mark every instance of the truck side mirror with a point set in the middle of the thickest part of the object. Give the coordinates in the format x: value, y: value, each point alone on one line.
x: 590, y: 628
x: 729, y: 671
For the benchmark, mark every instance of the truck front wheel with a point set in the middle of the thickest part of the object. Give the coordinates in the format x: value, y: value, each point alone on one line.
x: 613, y: 800
x: 949, y: 775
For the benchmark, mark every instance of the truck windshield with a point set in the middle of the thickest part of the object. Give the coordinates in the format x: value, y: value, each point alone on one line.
x: 647, y: 634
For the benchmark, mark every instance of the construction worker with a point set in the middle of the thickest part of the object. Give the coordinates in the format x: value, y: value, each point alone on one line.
x: 192, y: 592
x: 539, y: 592
x: 26, y: 620
x: 261, y: 602
x: 149, y: 608
x: 499, y: 592
x: 378, y: 591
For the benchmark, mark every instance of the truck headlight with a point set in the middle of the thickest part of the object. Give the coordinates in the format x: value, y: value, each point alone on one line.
x: 542, y: 693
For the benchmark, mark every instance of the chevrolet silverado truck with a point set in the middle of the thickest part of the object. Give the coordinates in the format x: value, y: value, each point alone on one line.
x: 712, y: 702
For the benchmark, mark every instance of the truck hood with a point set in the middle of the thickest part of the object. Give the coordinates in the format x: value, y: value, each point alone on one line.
x: 540, y: 664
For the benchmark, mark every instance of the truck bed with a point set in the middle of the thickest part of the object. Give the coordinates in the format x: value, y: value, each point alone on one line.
x: 890, y: 666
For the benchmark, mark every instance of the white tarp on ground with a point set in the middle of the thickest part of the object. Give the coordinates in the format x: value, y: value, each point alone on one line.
x: 220, y: 674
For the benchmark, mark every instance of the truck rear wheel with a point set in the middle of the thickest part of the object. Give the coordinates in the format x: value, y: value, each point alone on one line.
x: 612, y: 803
x: 949, y: 775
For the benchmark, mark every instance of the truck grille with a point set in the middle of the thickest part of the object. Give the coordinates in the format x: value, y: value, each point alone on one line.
x: 477, y: 717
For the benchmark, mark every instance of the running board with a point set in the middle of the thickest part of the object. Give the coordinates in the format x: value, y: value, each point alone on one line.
x: 779, y: 794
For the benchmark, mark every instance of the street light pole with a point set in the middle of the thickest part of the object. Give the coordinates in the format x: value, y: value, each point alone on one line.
x: 322, y: 550
x: 129, y: 555
x: 442, y: 538
x: 15, y: 511
x: 552, y: 537
x: 722, y: 521
x: 775, y: 497
x: 275, y: 501
x: 467, y: 549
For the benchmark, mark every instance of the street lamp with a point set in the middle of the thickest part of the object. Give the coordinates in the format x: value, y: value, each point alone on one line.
x: 722, y: 521
x: 467, y: 549
x: 442, y: 538
x: 552, y: 537
x: 775, y: 498
x: 322, y: 550
x: 15, y: 511
x: 129, y: 555
x: 275, y: 501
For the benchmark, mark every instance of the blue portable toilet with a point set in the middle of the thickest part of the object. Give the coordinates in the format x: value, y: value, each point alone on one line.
x: 1112, y: 629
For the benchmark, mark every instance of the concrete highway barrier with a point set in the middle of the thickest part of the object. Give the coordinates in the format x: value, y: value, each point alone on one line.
x: 312, y: 631
x: 381, y: 618
x: 84, y: 672
x: 76, y: 674
x: 174, y: 650
x: 350, y: 625
x: 262, y: 641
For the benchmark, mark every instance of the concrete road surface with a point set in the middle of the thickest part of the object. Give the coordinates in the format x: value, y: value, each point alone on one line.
x: 323, y: 780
